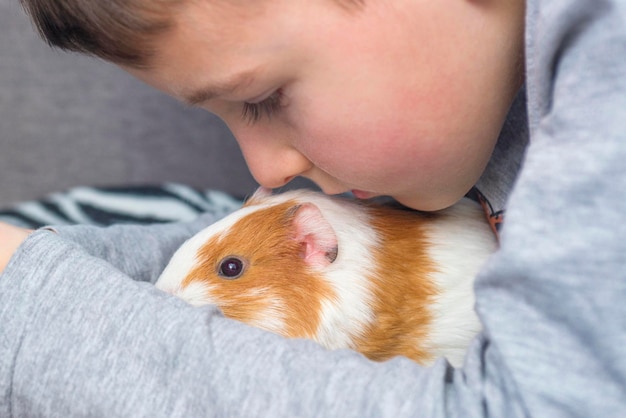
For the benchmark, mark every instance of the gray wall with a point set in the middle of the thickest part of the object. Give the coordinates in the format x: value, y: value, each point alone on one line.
x: 68, y: 120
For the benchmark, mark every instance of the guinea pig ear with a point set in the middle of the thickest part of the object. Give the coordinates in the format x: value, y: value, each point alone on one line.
x: 260, y: 194
x: 315, y: 235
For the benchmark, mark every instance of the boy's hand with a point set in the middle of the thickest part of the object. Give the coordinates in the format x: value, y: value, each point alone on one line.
x: 11, y: 237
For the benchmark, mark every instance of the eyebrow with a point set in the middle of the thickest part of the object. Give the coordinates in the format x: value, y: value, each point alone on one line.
x: 230, y: 85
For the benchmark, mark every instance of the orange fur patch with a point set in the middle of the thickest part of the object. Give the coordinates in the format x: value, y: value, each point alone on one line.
x: 276, y: 280
x: 403, y: 288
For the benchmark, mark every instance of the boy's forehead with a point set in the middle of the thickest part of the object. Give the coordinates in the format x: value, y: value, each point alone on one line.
x: 211, y: 51
x: 230, y: 85
x: 217, y: 50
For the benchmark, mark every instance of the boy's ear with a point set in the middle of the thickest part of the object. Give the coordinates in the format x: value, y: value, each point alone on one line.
x: 258, y: 196
x: 316, y: 236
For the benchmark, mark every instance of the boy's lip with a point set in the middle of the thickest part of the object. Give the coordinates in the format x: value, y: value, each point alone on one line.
x: 361, y: 194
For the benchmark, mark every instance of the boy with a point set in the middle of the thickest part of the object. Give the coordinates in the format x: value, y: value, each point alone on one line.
x: 417, y: 100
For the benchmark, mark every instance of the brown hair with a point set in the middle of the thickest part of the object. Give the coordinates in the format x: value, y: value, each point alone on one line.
x: 120, y: 31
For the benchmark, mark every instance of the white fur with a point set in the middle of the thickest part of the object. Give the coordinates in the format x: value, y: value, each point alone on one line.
x: 347, y: 315
x: 460, y: 243
x: 186, y: 257
x: 194, y: 294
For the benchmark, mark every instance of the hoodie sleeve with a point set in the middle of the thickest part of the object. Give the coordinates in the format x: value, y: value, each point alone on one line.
x: 80, y: 338
x: 140, y: 251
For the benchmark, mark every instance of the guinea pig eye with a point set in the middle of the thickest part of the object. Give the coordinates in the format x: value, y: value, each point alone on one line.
x: 231, y: 268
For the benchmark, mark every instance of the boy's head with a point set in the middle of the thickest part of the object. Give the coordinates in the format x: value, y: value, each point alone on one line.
x: 120, y: 31
x: 402, y: 98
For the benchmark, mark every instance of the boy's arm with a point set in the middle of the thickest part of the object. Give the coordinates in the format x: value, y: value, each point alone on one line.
x: 139, y: 251
x: 11, y: 237
x: 80, y: 338
x: 552, y: 300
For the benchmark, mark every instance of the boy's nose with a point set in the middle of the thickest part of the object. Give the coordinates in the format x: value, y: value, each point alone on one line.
x: 273, y: 165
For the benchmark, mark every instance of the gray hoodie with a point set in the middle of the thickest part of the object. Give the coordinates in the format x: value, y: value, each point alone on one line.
x: 84, y: 332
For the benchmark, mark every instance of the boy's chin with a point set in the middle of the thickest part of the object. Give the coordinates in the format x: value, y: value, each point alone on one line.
x: 427, y: 204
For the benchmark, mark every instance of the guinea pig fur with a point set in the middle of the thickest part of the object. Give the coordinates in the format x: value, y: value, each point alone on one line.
x: 380, y: 280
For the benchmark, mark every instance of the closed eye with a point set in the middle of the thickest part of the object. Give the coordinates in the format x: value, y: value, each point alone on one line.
x: 253, y: 112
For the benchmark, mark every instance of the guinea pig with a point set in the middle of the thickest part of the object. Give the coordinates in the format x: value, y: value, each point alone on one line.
x: 379, y: 280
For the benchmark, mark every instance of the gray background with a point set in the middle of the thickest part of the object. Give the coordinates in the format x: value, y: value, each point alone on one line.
x: 69, y: 120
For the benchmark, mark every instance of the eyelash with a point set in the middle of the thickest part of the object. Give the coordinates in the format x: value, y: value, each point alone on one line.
x: 253, y: 112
